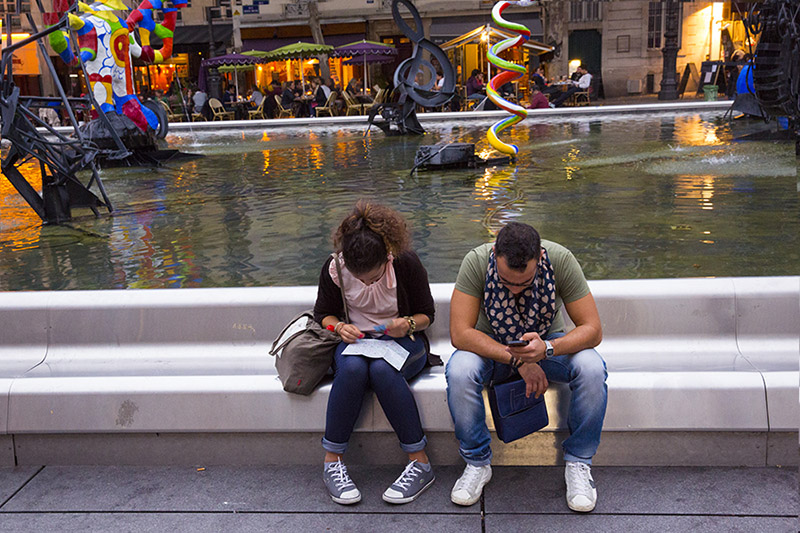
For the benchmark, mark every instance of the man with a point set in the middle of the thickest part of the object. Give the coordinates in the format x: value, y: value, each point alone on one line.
x: 325, y: 89
x: 538, y: 100
x: 583, y: 84
x: 512, y: 290
x: 538, y: 79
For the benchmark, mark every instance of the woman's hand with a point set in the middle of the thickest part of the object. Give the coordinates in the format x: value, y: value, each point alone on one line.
x: 349, y: 333
x: 398, y: 327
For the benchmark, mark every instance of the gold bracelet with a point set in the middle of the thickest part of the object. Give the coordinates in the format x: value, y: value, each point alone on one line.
x: 412, y: 326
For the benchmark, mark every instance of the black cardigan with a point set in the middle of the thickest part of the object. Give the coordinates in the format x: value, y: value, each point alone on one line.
x: 413, y: 294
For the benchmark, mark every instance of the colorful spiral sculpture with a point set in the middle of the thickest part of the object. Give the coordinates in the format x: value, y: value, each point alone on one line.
x: 510, y: 72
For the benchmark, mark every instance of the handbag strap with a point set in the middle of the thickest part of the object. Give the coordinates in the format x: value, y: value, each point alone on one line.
x: 341, y: 286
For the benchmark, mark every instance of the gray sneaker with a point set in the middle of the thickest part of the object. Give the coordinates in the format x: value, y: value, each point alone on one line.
x: 340, y: 486
x: 411, y: 483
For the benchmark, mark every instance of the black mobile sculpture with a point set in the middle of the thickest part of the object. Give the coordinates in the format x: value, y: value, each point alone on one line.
x: 110, y: 139
x: 399, y: 114
x: 776, y: 62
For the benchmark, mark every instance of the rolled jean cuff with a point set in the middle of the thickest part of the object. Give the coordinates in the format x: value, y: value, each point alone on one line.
x: 476, y: 462
x: 334, y: 447
x: 575, y: 459
x: 416, y: 447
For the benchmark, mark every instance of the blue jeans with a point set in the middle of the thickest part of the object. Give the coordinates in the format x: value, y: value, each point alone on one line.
x: 467, y: 373
x: 353, y: 374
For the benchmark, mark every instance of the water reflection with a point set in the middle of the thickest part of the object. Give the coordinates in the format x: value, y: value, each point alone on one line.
x: 644, y: 196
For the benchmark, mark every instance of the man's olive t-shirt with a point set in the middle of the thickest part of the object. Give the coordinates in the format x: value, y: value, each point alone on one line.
x: 570, y: 282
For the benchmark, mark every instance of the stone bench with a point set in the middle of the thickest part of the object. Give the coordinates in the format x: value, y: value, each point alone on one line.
x: 701, y: 371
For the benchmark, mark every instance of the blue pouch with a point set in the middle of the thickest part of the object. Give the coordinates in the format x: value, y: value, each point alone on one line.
x: 516, y: 416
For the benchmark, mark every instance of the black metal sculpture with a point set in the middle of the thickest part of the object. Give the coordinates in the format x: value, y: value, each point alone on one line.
x: 60, y: 158
x: 776, y: 64
x: 399, y: 115
x: 111, y: 139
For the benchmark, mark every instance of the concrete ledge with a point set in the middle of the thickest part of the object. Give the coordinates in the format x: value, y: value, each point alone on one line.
x: 361, y: 120
x: 696, y: 355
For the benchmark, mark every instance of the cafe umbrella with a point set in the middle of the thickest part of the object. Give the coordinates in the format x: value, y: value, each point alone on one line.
x: 366, y: 52
x: 299, y: 51
x: 232, y: 60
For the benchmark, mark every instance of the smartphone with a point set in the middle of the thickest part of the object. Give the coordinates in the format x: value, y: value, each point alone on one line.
x: 518, y: 343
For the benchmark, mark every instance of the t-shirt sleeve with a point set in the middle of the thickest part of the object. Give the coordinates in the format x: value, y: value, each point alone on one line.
x: 472, y: 275
x: 570, y: 280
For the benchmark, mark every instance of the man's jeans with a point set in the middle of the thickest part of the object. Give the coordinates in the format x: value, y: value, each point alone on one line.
x: 467, y: 373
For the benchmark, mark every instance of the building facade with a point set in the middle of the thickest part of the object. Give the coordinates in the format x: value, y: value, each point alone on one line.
x: 621, y: 41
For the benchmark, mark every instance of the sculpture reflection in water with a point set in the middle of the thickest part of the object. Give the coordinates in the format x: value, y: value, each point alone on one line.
x: 123, y: 131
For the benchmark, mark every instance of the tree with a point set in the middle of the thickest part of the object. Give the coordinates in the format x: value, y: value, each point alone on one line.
x: 316, y: 32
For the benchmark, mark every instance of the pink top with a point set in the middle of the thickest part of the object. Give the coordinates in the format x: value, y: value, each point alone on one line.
x: 368, y: 305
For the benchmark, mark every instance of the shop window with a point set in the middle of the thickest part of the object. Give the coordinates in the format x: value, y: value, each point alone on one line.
x: 586, y: 11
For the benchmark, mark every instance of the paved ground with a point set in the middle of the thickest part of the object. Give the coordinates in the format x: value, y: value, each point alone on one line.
x: 176, y: 499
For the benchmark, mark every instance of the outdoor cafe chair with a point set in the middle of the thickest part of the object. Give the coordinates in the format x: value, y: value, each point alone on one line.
x: 218, y: 110
x: 171, y: 117
x: 353, y: 107
x: 282, y: 111
x: 581, y: 98
x: 257, y: 112
x: 330, y: 105
x: 380, y: 98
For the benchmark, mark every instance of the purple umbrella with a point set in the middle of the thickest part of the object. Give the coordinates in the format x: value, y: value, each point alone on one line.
x: 229, y: 59
x: 369, y: 59
x: 368, y: 51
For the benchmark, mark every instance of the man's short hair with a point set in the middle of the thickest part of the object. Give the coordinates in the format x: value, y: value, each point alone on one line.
x: 518, y: 243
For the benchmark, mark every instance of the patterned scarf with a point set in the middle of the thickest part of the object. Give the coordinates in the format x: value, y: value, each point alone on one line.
x: 534, y: 310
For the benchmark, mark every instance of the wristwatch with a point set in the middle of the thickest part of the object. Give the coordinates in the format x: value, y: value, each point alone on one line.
x: 549, y: 349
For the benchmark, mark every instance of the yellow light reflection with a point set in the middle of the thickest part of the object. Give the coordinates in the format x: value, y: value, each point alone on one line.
x: 692, y: 130
x: 265, y: 153
x: 569, y: 160
x: 692, y: 191
x: 20, y: 225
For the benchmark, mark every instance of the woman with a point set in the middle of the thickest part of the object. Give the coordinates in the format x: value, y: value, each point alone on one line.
x: 388, y: 298
x: 475, y: 86
x: 320, y: 98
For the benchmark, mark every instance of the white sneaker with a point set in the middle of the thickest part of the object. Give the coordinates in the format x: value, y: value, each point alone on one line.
x: 469, y: 486
x: 581, y: 491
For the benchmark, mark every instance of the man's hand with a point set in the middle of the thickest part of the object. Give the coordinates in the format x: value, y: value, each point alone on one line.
x: 535, y: 379
x: 533, y: 352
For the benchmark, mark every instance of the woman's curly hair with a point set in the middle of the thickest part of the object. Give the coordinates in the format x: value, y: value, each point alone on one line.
x: 368, y: 234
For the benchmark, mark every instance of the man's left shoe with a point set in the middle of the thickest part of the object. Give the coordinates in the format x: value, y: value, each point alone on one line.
x: 411, y: 483
x: 581, y: 490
